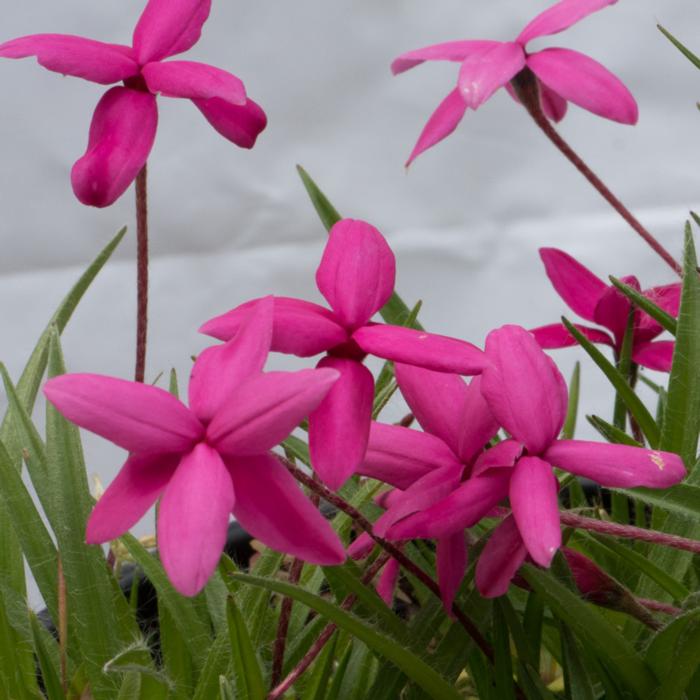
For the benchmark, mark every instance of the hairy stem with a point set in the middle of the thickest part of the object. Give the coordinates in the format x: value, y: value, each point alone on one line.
x: 141, y: 274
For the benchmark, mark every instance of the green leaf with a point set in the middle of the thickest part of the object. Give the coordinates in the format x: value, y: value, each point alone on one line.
x: 413, y: 666
x: 48, y: 663
x: 217, y: 662
x: 249, y: 678
x: 686, y: 52
x: 577, y: 681
x: 502, y: 659
x: 611, y: 432
x: 137, y: 659
x: 646, y: 305
x: 682, y: 500
x: 319, y: 677
x: 567, y: 432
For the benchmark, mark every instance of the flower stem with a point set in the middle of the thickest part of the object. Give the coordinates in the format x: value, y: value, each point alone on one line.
x: 141, y: 274
x: 525, y: 85
x: 283, y: 625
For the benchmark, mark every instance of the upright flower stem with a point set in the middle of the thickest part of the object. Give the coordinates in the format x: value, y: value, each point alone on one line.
x: 141, y: 274
x: 525, y: 85
x: 283, y: 625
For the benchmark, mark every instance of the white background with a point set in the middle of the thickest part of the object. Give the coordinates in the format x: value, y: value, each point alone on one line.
x: 228, y: 225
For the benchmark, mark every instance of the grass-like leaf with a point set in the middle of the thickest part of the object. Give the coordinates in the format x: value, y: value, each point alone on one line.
x: 685, y: 51
x: 249, y: 677
x: 646, y: 305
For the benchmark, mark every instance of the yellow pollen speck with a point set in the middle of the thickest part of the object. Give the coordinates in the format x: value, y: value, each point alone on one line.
x: 658, y: 460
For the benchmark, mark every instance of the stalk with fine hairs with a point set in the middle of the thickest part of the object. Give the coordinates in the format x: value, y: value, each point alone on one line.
x: 141, y: 274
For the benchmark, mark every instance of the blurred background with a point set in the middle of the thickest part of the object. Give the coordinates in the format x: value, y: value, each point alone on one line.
x: 228, y: 225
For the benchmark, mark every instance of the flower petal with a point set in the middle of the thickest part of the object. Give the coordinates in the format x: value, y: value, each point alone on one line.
x: 443, y: 121
x: 524, y: 388
x: 194, y: 81
x: 668, y: 298
x: 556, y: 335
x: 193, y: 519
x: 451, y: 565
x: 617, y: 465
x: 361, y: 546
x: 429, y: 350
x: 168, y: 27
x: 74, y: 55
x: 502, y: 556
x: 138, y: 417
x: 613, y: 309
x: 483, y: 72
x: 575, y: 284
x: 399, y: 456
x: 478, y: 423
x: 137, y: 486
x: 657, y: 355
x: 240, y: 124
x: 272, y: 508
x: 219, y: 370
x: 559, y: 17
x: 122, y: 133
x: 553, y: 104
x: 339, y: 425
x: 585, y: 82
x: 448, y: 51
x: 267, y: 408
x: 502, y: 455
x: 386, y: 585
x: 533, y: 498
x: 357, y: 271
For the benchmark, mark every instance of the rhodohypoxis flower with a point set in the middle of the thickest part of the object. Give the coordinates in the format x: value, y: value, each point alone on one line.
x: 356, y: 276
x: 527, y: 395
x: 562, y: 75
x: 603, y: 304
x: 124, y: 123
x: 209, y: 460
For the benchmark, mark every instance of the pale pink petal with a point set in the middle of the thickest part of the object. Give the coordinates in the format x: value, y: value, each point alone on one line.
x: 194, y: 81
x: 556, y: 335
x: 357, y: 271
x: 240, y: 124
x: 266, y: 409
x: 667, y: 298
x: 443, y: 121
x: 553, y: 105
x: 657, y: 355
x: 339, y: 425
x: 483, y: 72
x: 361, y: 547
x: 219, y: 370
x: 617, y: 465
x: 135, y: 489
x: 451, y: 564
x: 168, y: 27
x: 399, y: 456
x: 122, y: 133
x: 448, y: 51
x: 502, y: 455
x: 502, y: 556
x: 575, y: 284
x: 560, y: 16
x: 388, y: 579
x: 533, y: 498
x: 613, y: 309
x: 413, y: 347
x: 273, y: 509
x: 585, y: 82
x: 524, y: 388
x: 478, y: 423
x: 299, y: 327
x: 193, y: 519
x: 74, y: 55
x: 137, y: 417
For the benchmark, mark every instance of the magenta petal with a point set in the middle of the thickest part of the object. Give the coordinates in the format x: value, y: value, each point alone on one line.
x: 357, y: 271
x: 556, y: 335
x: 272, y: 508
x: 585, y: 82
x: 339, y: 426
x: 502, y: 556
x: 524, y: 388
x: 502, y: 455
x: 194, y: 81
x: 575, y: 284
x: 553, y: 105
x: 478, y: 423
x: 168, y: 27
x: 451, y: 565
x: 399, y: 456
x: 386, y: 585
x: 219, y: 370
x: 361, y: 547
x: 617, y: 465
x: 667, y: 298
x: 137, y: 486
x: 483, y: 72
x: 533, y: 498
x: 412, y: 347
x: 266, y: 409
x: 560, y: 16
x: 74, y: 55
x: 122, y: 132
x: 443, y: 121
x: 193, y: 519
x: 613, y: 308
x: 448, y: 51
x: 657, y: 355
x: 138, y: 417
x: 240, y: 124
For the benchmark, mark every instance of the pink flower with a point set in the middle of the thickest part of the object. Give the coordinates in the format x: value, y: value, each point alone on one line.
x: 124, y: 123
x: 563, y: 75
x: 209, y: 460
x: 603, y: 304
x: 356, y: 276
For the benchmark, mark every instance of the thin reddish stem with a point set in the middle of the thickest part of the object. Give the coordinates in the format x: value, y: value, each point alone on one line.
x: 283, y: 625
x: 141, y: 274
x: 525, y: 84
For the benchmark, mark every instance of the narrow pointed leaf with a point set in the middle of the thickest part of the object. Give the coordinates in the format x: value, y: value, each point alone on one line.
x: 646, y: 305
x: 567, y: 432
x: 611, y: 432
x: 685, y: 51
x: 245, y: 661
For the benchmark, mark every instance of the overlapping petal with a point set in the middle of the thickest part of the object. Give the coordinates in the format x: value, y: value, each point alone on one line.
x: 502, y: 455
x: 556, y: 335
x: 657, y: 355
x: 502, y: 556
x: 478, y: 423
x: 240, y: 124
x: 451, y: 558
x: 613, y: 309
x: 447, y: 51
x: 386, y: 585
